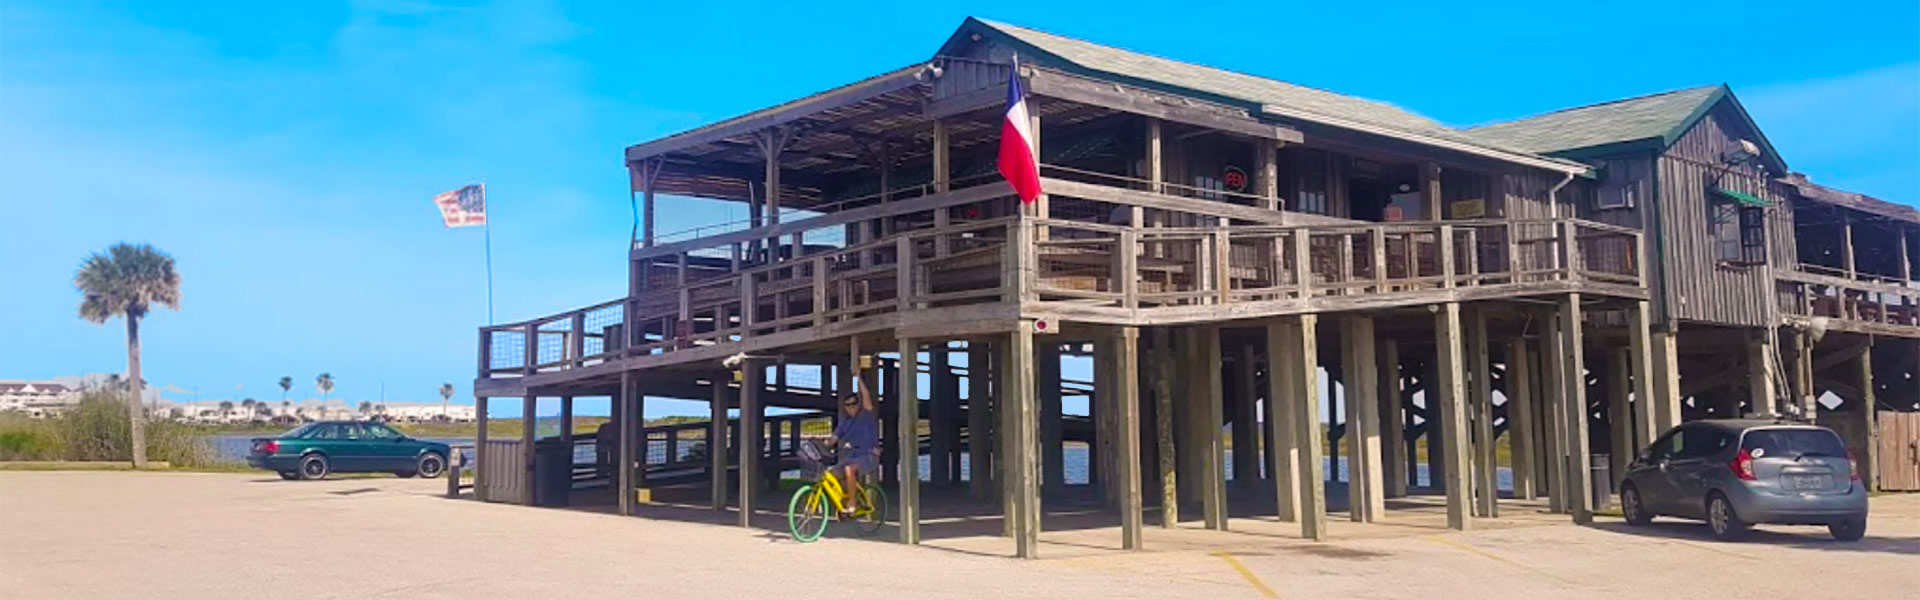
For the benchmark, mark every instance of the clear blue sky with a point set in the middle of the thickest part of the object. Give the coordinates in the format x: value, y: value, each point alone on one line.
x: 286, y: 152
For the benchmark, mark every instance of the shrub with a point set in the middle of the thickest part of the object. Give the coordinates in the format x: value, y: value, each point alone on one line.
x: 96, y: 429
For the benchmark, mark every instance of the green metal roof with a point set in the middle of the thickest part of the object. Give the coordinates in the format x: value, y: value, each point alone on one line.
x: 1227, y: 87
x: 1662, y: 116
x: 1743, y: 197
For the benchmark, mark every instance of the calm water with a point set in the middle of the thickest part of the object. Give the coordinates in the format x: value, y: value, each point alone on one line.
x: 234, y: 447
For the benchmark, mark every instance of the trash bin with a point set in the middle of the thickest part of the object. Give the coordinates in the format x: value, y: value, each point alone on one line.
x: 1602, y: 480
x: 552, y: 472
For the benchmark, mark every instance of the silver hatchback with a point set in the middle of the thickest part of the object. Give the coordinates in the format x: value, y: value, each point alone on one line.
x: 1735, y: 473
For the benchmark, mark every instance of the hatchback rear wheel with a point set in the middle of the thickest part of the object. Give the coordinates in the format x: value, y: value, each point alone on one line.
x: 1632, y: 508
x: 1725, y: 523
x: 1850, y: 530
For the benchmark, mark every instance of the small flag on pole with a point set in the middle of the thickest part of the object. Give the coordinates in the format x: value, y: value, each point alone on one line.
x: 463, y: 207
x: 1017, y: 161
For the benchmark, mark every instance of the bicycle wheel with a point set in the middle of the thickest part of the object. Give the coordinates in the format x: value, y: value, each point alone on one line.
x: 807, y: 513
x: 873, y: 510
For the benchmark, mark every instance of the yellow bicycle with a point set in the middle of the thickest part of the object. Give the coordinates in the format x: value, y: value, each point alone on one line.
x: 825, y: 499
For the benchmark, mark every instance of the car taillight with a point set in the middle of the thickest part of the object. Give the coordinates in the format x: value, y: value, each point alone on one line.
x: 1742, y: 465
x: 270, y: 447
x: 1853, y: 466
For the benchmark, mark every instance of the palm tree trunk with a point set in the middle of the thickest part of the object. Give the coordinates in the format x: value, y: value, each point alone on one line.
x: 137, y: 437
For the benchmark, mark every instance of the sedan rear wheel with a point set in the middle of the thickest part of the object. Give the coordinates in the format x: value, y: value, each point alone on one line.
x: 1725, y: 523
x: 314, y: 466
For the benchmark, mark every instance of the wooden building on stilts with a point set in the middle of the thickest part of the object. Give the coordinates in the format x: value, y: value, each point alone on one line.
x: 1257, y: 279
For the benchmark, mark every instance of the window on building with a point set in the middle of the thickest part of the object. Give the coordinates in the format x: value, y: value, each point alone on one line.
x: 1738, y: 222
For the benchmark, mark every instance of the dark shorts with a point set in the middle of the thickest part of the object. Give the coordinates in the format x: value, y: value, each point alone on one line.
x: 863, y: 461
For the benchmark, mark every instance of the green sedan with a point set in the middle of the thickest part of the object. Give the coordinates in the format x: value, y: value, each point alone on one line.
x: 315, y: 450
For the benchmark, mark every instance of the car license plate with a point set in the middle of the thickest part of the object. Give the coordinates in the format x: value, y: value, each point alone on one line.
x: 1809, y: 482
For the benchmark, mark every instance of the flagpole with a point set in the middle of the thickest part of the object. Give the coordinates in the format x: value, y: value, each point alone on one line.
x: 489, y: 243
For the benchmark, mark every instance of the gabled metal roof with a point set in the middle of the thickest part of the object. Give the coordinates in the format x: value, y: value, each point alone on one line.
x: 1654, y: 119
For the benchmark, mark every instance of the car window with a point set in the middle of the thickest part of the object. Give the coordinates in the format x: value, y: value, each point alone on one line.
x: 1794, y: 443
x: 324, y: 431
x: 353, y: 431
x: 381, y: 432
x: 1700, y: 442
x: 1668, y: 445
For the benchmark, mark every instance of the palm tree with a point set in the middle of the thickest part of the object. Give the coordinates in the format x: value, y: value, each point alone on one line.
x: 446, y: 394
x: 325, y: 383
x: 286, y: 408
x: 125, y: 281
x: 286, y: 385
x: 365, y: 407
x: 249, y: 404
x: 226, y: 408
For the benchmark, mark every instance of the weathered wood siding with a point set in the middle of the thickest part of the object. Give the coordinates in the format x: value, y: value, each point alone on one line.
x: 1698, y: 286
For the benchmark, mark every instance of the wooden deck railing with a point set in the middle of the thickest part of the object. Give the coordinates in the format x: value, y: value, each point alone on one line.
x: 1078, y: 263
x: 1870, y: 301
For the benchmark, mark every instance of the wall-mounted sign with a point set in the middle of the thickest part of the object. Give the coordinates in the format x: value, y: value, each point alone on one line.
x: 1233, y: 179
x: 1469, y: 209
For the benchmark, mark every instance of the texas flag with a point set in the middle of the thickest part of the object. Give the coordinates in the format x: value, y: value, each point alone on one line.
x: 1017, y: 161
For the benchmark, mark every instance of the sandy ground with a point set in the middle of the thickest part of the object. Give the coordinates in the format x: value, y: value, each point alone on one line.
x: 165, y: 535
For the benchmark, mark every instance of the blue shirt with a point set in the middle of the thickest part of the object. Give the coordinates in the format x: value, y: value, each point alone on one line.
x: 861, y: 433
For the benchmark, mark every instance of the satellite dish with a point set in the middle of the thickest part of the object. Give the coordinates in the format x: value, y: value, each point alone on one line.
x: 1817, y: 327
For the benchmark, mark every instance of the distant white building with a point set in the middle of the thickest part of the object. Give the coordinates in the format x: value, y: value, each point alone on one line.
x: 332, y: 409
x: 37, y: 399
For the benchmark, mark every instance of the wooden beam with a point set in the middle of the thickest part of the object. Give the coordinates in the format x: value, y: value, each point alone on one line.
x: 1640, y: 361
x: 1303, y: 360
x: 1366, y: 497
x: 717, y: 441
x: 1486, y: 491
x: 527, y: 420
x: 1452, y: 406
x: 1025, y: 511
x: 1618, y: 380
x: 1520, y: 416
x: 979, y: 421
x: 1393, y: 439
x: 1666, y: 379
x: 748, y: 443
x: 1282, y: 451
x: 1126, y: 408
x: 1161, y: 376
x: 480, y: 453
x: 1760, y: 373
x: 1578, y: 484
x: 1213, y: 466
x: 1246, y: 414
x: 907, y: 407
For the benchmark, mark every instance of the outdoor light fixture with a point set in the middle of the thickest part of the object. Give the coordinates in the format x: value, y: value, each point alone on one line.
x: 1743, y: 152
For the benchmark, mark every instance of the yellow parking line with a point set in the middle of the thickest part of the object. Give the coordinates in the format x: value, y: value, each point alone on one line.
x: 1247, y: 574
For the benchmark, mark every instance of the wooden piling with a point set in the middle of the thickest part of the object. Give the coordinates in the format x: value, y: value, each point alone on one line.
x: 908, y: 431
x: 1126, y: 405
x: 1451, y: 405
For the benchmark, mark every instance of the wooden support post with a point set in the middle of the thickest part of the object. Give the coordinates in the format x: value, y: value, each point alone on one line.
x: 1436, y: 435
x: 942, y: 182
x: 1486, y: 491
x: 634, y: 418
x: 1366, y: 500
x: 1553, y: 356
x: 1800, y: 376
x: 1246, y: 430
x: 1578, y: 471
x: 890, y: 443
x: 1868, y: 450
x: 1303, y: 360
x: 1161, y: 376
x: 1025, y: 509
x: 1619, y: 415
x: 1760, y: 373
x: 1156, y: 168
x: 1053, y: 462
x: 1213, y: 495
x: 1189, y: 409
x: 979, y: 422
x: 717, y: 442
x: 1283, y: 450
x: 750, y: 434
x: 480, y: 454
x: 1666, y: 378
x: 1847, y: 261
x: 908, y: 432
x: 1640, y: 362
x: 1520, y: 419
x: 1451, y: 403
x: 1100, y: 412
x: 527, y: 418
x: 1393, y: 422
x: 1042, y: 205
x: 939, y: 410
x: 1126, y: 409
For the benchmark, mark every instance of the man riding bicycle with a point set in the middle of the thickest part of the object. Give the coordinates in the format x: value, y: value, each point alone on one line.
x: 857, y: 436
